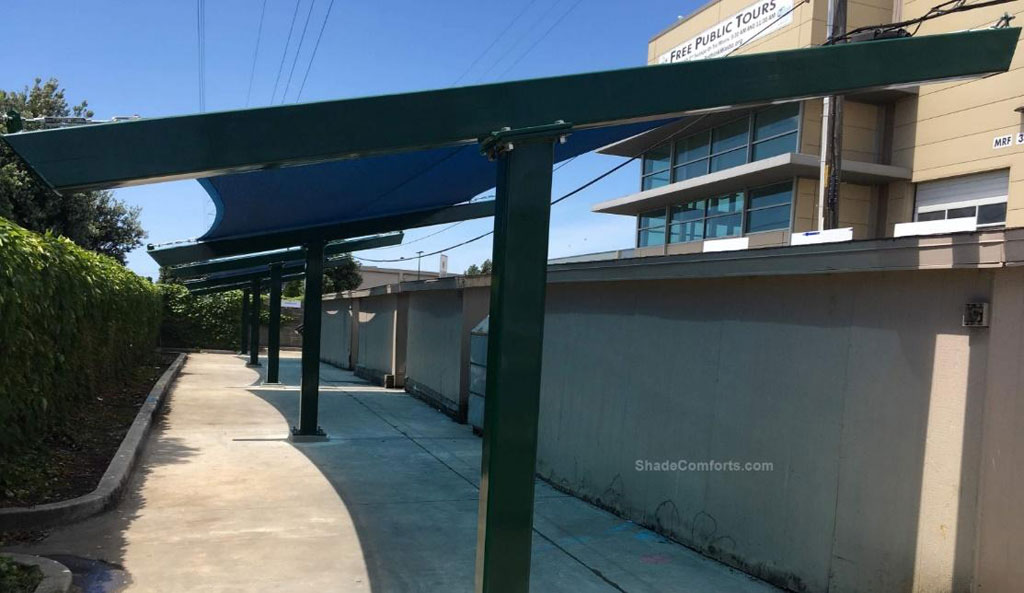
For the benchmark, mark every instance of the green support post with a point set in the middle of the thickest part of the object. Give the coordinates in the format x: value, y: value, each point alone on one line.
x: 274, y: 329
x: 254, y: 324
x: 244, y: 348
x: 311, y: 305
x: 505, y: 521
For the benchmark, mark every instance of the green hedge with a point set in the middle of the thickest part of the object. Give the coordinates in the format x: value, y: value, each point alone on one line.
x: 205, y: 321
x: 72, y: 324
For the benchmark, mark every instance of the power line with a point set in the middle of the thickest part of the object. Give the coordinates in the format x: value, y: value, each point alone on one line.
x: 610, y: 171
x: 495, y: 41
x: 298, y: 50
x: 284, y: 54
x: 515, y: 45
x: 255, y: 53
x: 316, y: 46
x: 539, y: 39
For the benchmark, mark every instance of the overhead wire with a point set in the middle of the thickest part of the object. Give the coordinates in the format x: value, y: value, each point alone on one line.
x: 538, y: 40
x: 298, y: 50
x: 255, y: 53
x: 604, y: 174
x: 515, y: 45
x: 284, y: 54
x: 316, y: 46
x: 495, y: 41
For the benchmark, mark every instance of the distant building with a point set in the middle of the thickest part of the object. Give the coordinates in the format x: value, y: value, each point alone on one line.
x: 943, y: 157
x: 374, y: 276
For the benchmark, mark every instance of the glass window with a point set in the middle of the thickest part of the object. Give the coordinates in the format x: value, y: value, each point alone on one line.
x: 773, y: 195
x: 653, y: 218
x: 723, y: 226
x: 776, y: 120
x: 692, y: 148
x: 695, y: 169
x: 690, y: 211
x: 933, y: 215
x: 965, y: 212
x: 686, y: 231
x: 992, y: 213
x: 731, y: 135
x: 657, y: 159
x: 725, y: 204
x: 768, y: 219
x: 775, y: 146
x: 729, y: 159
x: 655, y: 180
x: 650, y: 237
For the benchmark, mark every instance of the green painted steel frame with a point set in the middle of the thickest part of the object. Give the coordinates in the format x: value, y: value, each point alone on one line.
x: 274, y: 329
x: 255, y: 291
x: 309, y: 389
x: 163, y: 149
x: 241, y: 280
x: 285, y: 256
x: 237, y: 286
x: 208, y: 250
x: 243, y: 348
x: 505, y: 523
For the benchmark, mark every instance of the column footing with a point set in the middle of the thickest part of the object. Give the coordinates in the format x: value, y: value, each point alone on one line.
x: 318, y: 437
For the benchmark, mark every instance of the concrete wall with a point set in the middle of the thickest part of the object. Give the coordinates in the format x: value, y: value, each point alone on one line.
x: 434, y: 343
x: 379, y: 353
x: 856, y: 399
x: 336, y: 333
x: 894, y: 434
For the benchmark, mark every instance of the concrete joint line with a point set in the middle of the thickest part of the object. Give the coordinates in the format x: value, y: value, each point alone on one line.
x: 114, y: 480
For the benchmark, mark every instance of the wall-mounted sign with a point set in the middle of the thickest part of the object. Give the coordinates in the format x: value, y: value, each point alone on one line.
x: 769, y: 15
x: 286, y: 304
x: 443, y: 269
x: 1002, y: 141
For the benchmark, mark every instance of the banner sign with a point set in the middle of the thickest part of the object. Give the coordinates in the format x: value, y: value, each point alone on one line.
x: 762, y: 18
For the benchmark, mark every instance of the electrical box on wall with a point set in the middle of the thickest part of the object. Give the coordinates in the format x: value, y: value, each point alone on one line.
x: 976, y: 315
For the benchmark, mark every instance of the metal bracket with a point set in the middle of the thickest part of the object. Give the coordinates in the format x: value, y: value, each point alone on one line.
x: 501, y: 141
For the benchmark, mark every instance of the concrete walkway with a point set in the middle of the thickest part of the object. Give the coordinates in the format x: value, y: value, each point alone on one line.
x: 224, y: 503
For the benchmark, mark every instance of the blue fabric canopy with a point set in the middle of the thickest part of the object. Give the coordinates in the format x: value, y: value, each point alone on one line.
x: 357, y: 189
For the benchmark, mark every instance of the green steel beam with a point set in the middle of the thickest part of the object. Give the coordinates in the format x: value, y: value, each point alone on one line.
x: 184, y: 147
x: 237, y: 286
x: 254, y: 323
x: 244, y: 347
x: 309, y: 388
x: 505, y: 523
x: 207, y: 250
x: 293, y: 255
x: 244, y: 279
x: 274, y: 328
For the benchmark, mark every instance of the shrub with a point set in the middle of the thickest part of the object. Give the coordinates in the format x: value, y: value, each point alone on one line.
x: 72, y: 324
x: 204, y: 321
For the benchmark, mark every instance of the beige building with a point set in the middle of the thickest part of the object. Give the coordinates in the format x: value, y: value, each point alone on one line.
x: 944, y: 157
x: 374, y: 276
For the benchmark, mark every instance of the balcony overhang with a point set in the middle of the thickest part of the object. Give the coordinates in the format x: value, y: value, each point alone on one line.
x: 770, y: 170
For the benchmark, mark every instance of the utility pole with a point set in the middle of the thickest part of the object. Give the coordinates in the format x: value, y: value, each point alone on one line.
x: 419, y: 258
x: 832, y: 134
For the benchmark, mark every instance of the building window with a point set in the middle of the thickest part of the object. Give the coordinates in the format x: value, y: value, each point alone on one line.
x: 656, y: 167
x: 651, y: 228
x: 981, y: 195
x: 769, y: 207
x: 752, y: 211
x: 758, y: 135
x: 775, y: 131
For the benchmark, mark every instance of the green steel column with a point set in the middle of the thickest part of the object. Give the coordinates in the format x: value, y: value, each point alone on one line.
x: 254, y: 324
x: 311, y: 304
x: 244, y: 348
x: 505, y: 520
x: 274, y: 329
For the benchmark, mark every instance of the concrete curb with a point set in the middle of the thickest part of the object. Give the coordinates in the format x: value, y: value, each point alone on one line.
x: 56, y: 576
x: 112, y: 484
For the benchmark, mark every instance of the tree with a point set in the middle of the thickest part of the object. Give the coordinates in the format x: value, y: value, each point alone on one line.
x: 342, y: 276
x: 94, y: 220
x: 483, y: 269
x: 292, y: 289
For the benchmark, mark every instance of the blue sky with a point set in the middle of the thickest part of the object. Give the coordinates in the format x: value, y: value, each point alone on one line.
x: 142, y: 58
